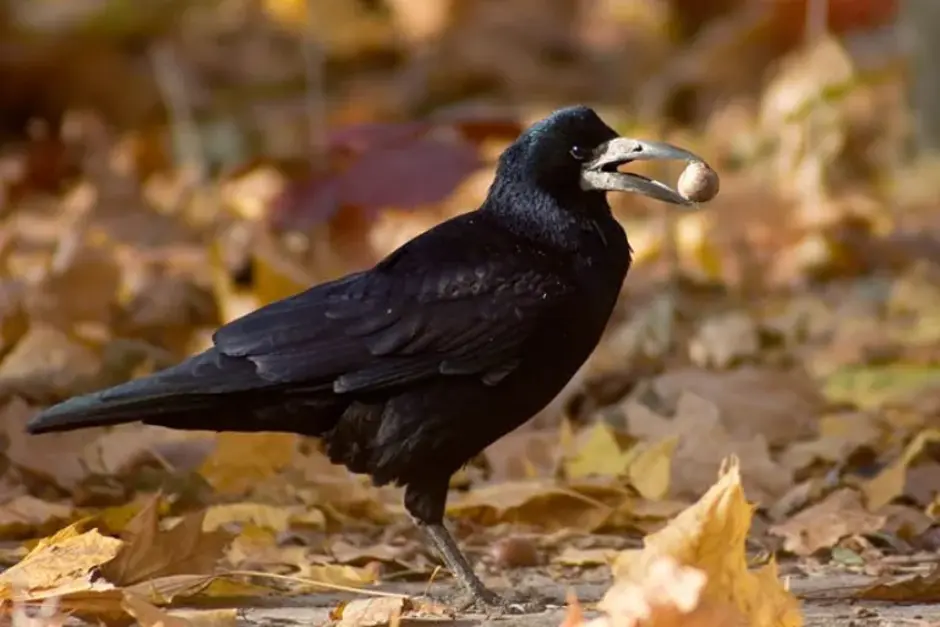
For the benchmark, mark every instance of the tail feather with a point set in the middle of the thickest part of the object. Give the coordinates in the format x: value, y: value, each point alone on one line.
x: 183, y: 397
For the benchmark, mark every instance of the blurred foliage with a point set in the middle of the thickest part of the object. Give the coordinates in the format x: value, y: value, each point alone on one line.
x: 167, y: 166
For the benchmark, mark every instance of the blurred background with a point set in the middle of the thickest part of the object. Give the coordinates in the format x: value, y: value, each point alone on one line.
x: 166, y: 166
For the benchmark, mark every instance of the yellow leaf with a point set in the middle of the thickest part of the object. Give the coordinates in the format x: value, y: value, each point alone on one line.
x: 710, y: 536
x: 869, y: 387
x: 373, y: 612
x: 338, y: 574
x: 889, y: 483
x: 535, y: 502
x: 650, y: 468
x: 64, y: 562
x: 242, y: 460
x: 598, y: 453
x: 276, y: 519
x: 572, y: 556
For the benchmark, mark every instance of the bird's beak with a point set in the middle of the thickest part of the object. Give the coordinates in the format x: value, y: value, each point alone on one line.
x: 600, y: 173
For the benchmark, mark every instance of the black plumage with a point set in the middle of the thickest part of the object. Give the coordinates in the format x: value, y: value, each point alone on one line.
x: 408, y: 370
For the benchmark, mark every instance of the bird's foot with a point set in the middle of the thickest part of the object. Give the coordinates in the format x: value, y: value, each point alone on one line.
x: 488, y: 603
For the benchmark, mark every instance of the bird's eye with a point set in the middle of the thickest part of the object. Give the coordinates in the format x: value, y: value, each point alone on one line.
x: 579, y: 153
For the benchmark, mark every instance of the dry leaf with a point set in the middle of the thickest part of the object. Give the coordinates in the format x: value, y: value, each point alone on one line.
x: 650, y: 468
x: 822, y: 525
x: 703, y: 443
x: 374, y: 611
x: 150, y: 615
x: 61, y: 564
x: 536, y: 502
x: 752, y: 401
x: 242, y: 460
x: 28, y: 516
x: 572, y: 556
x: 597, y: 452
x: 149, y: 552
x: 710, y: 536
x: 524, y: 454
x: 917, y: 589
x: 56, y: 457
x: 889, y: 483
x: 276, y: 519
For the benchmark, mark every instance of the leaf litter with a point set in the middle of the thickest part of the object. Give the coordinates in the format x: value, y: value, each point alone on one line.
x: 802, y: 338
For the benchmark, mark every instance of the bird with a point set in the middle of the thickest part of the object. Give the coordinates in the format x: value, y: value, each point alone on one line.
x: 409, y: 369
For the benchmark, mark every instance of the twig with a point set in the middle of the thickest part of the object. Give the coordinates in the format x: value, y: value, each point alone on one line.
x: 312, y: 582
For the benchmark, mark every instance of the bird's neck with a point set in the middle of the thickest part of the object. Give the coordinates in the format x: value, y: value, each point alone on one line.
x: 548, y: 221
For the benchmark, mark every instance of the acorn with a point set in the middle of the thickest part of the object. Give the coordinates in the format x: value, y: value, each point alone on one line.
x: 698, y: 182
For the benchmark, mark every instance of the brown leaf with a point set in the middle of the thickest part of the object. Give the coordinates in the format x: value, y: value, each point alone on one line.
x: 150, y: 615
x: 821, y: 526
x: 149, y: 552
x: 535, y: 502
x: 703, y: 442
x: 524, y: 454
x: 56, y: 457
x: 917, y: 589
x: 752, y: 401
x: 374, y: 611
x: 47, y: 364
x: 26, y: 516
x: 81, y: 287
x: 889, y: 483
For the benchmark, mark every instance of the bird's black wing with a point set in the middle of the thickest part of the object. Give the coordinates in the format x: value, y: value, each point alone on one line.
x: 390, y: 327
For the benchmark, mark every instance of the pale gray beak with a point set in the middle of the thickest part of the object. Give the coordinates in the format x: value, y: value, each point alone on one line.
x: 600, y: 173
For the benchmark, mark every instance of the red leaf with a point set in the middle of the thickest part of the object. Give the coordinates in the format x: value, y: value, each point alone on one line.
x: 421, y: 172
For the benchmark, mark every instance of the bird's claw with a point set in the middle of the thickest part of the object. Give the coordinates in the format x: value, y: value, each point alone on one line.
x: 491, y: 604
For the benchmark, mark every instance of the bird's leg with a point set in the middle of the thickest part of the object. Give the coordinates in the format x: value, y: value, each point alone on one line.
x: 425, y: 503
x: 458, y: 565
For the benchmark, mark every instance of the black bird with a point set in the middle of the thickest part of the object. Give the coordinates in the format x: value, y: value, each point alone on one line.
x: 408, y: 370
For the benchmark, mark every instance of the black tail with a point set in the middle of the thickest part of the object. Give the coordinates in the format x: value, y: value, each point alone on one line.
x: 186, y: 396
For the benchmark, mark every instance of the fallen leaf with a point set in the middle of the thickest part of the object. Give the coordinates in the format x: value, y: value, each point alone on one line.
x: 149, y: 552
x: 870, y: 387
x: 651, y: 468
x: 276, y: 519
x: 225, y: 617
x: 535, y: 502
x: 241, y: 460
x: 572, y: 556
x: 752, y: 401
x: 667, y: 595
x: 63, y: 563
x: 150, y: 615
x: 374, y: 611
x: 27, y: 516
x: 821, y: 526
x: 703, y: 443
x: 55, y: 457
x: 337, y: 574
x: 710, y: 536
x: 49, y: 364
x: 889, y: 483
x: 597, y: 452
x: 523, y: 454
x: 917, y: 589
x: 839, y: 436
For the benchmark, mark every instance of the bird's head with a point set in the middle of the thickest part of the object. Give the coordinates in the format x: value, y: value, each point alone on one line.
x: 573, y: 151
